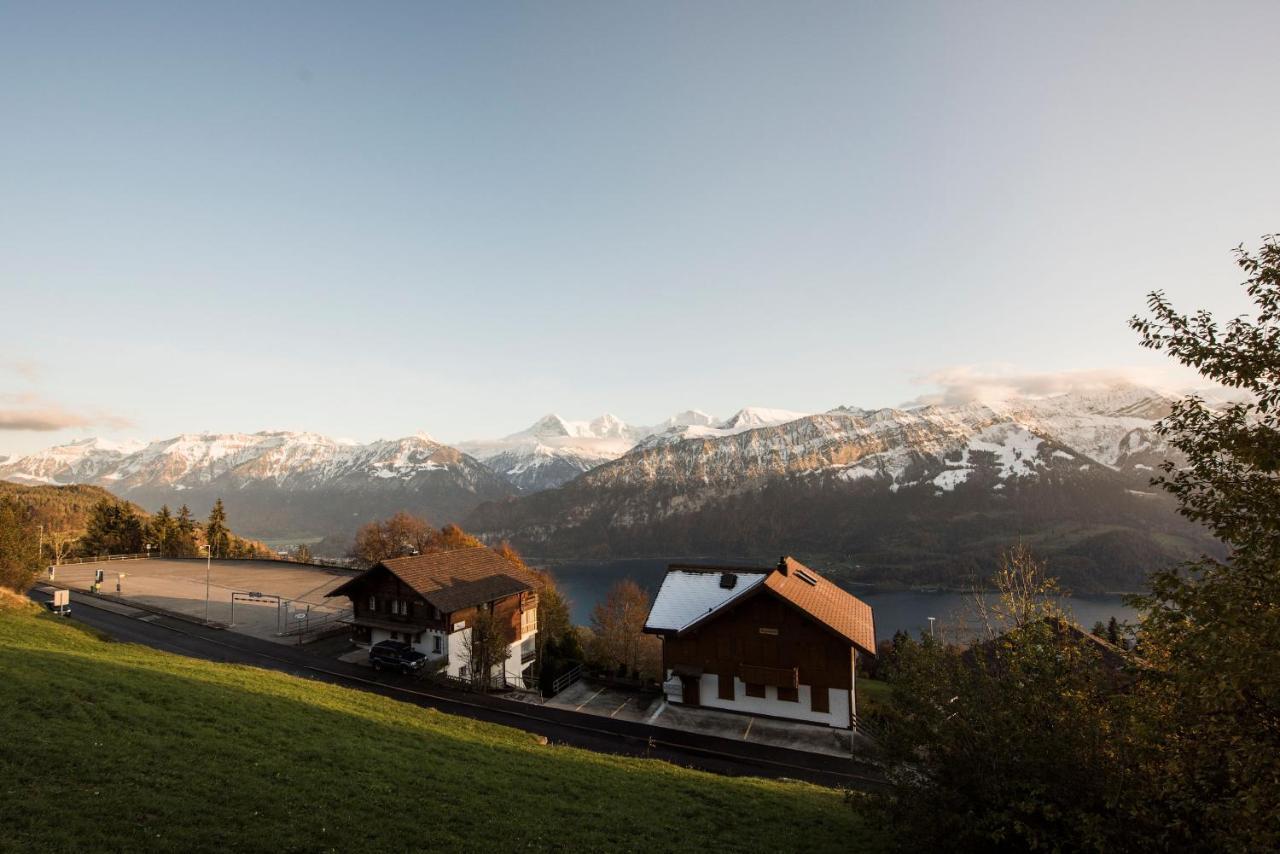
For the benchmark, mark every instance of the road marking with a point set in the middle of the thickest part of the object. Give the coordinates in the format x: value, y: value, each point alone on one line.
x: 615, y: 711
x: 588, y: 700
x: 661, y: 708
x: 747, y: 731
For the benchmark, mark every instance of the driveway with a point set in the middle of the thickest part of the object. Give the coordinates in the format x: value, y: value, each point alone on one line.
x: 593, y: 698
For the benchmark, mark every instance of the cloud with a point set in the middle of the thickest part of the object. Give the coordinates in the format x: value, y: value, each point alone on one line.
x: 27, y: 369
x: 961, y: 384
x: 27, y: 412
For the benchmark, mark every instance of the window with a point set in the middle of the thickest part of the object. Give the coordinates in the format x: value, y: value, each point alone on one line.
x: 754, y: 690
x: 395, y: 636
x: 528, y: 621
x: 435, y: 644
x: 788, y: 695
x: 417, y: 638
x: 820, y: 699
x: 373, y: 602
x: 726, y: 686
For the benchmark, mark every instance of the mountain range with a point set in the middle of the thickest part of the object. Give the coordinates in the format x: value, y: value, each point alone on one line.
x: 919, y: 495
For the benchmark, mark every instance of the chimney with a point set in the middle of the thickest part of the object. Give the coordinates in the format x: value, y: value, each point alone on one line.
x: 782, y: 564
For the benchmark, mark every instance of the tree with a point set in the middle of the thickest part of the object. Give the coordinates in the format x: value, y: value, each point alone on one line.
x: 19, y: 558
x: 113, y: 528
x: 162, y: 530
x: 1210, y: 629
x: 618, y: 623
x: 216, y: 535
x: 1010, y: 744
x: 406, y: 534
x: 302, y: 554
x: 486, y: 647
x: 184, y: 538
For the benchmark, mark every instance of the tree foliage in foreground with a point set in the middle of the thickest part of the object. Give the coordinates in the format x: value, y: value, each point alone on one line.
x: 1029, y: 741
x: 1008, y: 745
x: 1210, y: 701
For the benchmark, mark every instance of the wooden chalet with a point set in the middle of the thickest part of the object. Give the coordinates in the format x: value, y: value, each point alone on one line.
x: 430, y: 602
x: 781, y: 642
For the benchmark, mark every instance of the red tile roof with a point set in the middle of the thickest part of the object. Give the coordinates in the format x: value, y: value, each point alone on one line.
x: 838, y: 610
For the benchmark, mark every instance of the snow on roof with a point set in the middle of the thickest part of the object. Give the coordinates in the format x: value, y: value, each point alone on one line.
x: 686, y: 595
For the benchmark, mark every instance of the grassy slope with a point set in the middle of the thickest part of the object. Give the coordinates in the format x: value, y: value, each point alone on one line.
x: 107, y: 746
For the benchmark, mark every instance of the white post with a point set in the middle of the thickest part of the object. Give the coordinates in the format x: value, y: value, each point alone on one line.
x: 208, y: 567
x: 931, y: 619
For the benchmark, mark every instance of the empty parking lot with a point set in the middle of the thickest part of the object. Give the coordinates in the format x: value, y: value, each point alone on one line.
x: 286, y: 590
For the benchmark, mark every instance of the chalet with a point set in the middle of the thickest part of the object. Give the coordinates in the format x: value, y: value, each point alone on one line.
x: 781, y: 642
x: 430, y: 601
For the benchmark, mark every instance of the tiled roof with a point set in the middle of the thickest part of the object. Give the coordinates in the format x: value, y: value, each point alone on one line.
x: 457, y: 579
x: 839, y: 610
x: 690, y: 595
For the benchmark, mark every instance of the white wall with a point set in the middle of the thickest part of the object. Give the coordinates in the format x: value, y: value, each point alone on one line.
x: 769, y: 704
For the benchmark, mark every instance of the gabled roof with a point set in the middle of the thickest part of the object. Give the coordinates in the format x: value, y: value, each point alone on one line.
x: 688, y: 593
x: 690, y: 596
x: 453, y: 580
x: 840, y: 611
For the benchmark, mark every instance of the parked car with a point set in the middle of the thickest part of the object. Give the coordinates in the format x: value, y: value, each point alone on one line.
x: 396, y: 655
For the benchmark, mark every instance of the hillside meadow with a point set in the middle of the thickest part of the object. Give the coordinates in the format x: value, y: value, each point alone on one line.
x: 109, y: 746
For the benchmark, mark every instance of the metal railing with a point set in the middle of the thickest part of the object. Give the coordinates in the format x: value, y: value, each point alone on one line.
x: 564, y: 680
x: 103, y: 558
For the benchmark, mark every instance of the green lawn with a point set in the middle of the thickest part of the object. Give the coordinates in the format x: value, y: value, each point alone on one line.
x: 107, y: 746
x: 873, y: 695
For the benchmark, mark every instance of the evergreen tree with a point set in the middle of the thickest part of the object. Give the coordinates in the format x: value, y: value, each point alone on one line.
x: 113, y: 528
x: 215, y: 531
x: 162, y: 530
x: 1113, y: 633
x: 184, y: 544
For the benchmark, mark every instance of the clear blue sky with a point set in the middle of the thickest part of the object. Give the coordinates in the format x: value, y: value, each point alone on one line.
x: 370, y: 219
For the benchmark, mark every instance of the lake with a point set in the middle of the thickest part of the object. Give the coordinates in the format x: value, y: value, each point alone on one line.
x: 585, y: 582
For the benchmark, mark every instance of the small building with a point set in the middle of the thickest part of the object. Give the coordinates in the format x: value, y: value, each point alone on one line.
x: 781, y: 642
x: 430, y: 601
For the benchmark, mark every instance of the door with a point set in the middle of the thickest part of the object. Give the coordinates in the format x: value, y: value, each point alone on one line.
x: 690, y: 694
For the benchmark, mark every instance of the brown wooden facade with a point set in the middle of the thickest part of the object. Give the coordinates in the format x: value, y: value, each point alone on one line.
x: 762, y: 640
x: 380, y: 599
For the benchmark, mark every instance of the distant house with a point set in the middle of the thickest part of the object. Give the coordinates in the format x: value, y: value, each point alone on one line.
x: 430, y: 602
x: 781, y: 642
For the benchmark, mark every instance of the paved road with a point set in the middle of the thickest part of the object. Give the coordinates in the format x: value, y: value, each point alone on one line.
x: 709, y: 753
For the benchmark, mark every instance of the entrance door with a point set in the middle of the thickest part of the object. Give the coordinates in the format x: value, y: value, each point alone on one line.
x: 690, y: 686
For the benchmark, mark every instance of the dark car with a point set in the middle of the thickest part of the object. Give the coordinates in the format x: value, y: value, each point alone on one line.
x: 396, y: 655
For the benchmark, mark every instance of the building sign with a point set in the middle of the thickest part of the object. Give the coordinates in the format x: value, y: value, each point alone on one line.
x: 765, y: 631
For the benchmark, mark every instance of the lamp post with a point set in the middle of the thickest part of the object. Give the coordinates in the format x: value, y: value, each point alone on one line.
x: 208, y: 567
x: 931, y: 620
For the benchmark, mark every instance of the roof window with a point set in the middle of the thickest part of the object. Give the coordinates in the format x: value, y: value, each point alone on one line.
x: 728, y: 580
x: 806, y: 578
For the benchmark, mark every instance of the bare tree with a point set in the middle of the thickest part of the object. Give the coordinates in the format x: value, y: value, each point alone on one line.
x: 486, y: 647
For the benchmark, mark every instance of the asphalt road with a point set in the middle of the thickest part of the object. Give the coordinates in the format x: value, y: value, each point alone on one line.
x: 559, y: 726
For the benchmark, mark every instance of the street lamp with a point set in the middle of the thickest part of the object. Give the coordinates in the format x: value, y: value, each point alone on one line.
x: 931, y: 620
x: 208, y: 566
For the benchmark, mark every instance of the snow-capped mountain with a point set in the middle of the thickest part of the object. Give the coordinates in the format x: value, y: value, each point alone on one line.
x: 982, y: 470
x: 276, y: 483
x: 554, y: 451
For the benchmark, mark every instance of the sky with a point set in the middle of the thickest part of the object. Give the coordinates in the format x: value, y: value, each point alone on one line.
x: 367, y: 220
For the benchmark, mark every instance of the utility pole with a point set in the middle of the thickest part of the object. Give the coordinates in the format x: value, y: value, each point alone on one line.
x: 208, y: 567
x: 40, y: 552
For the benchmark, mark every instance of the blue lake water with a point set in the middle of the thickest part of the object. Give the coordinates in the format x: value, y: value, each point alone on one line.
x: 585, y: 582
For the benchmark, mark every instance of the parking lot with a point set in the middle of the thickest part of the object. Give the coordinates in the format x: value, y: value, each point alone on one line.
x: 593, y: 698
x: 285, y: 591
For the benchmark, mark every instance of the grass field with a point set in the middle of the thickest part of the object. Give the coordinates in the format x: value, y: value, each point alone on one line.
x: 117, y: 747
